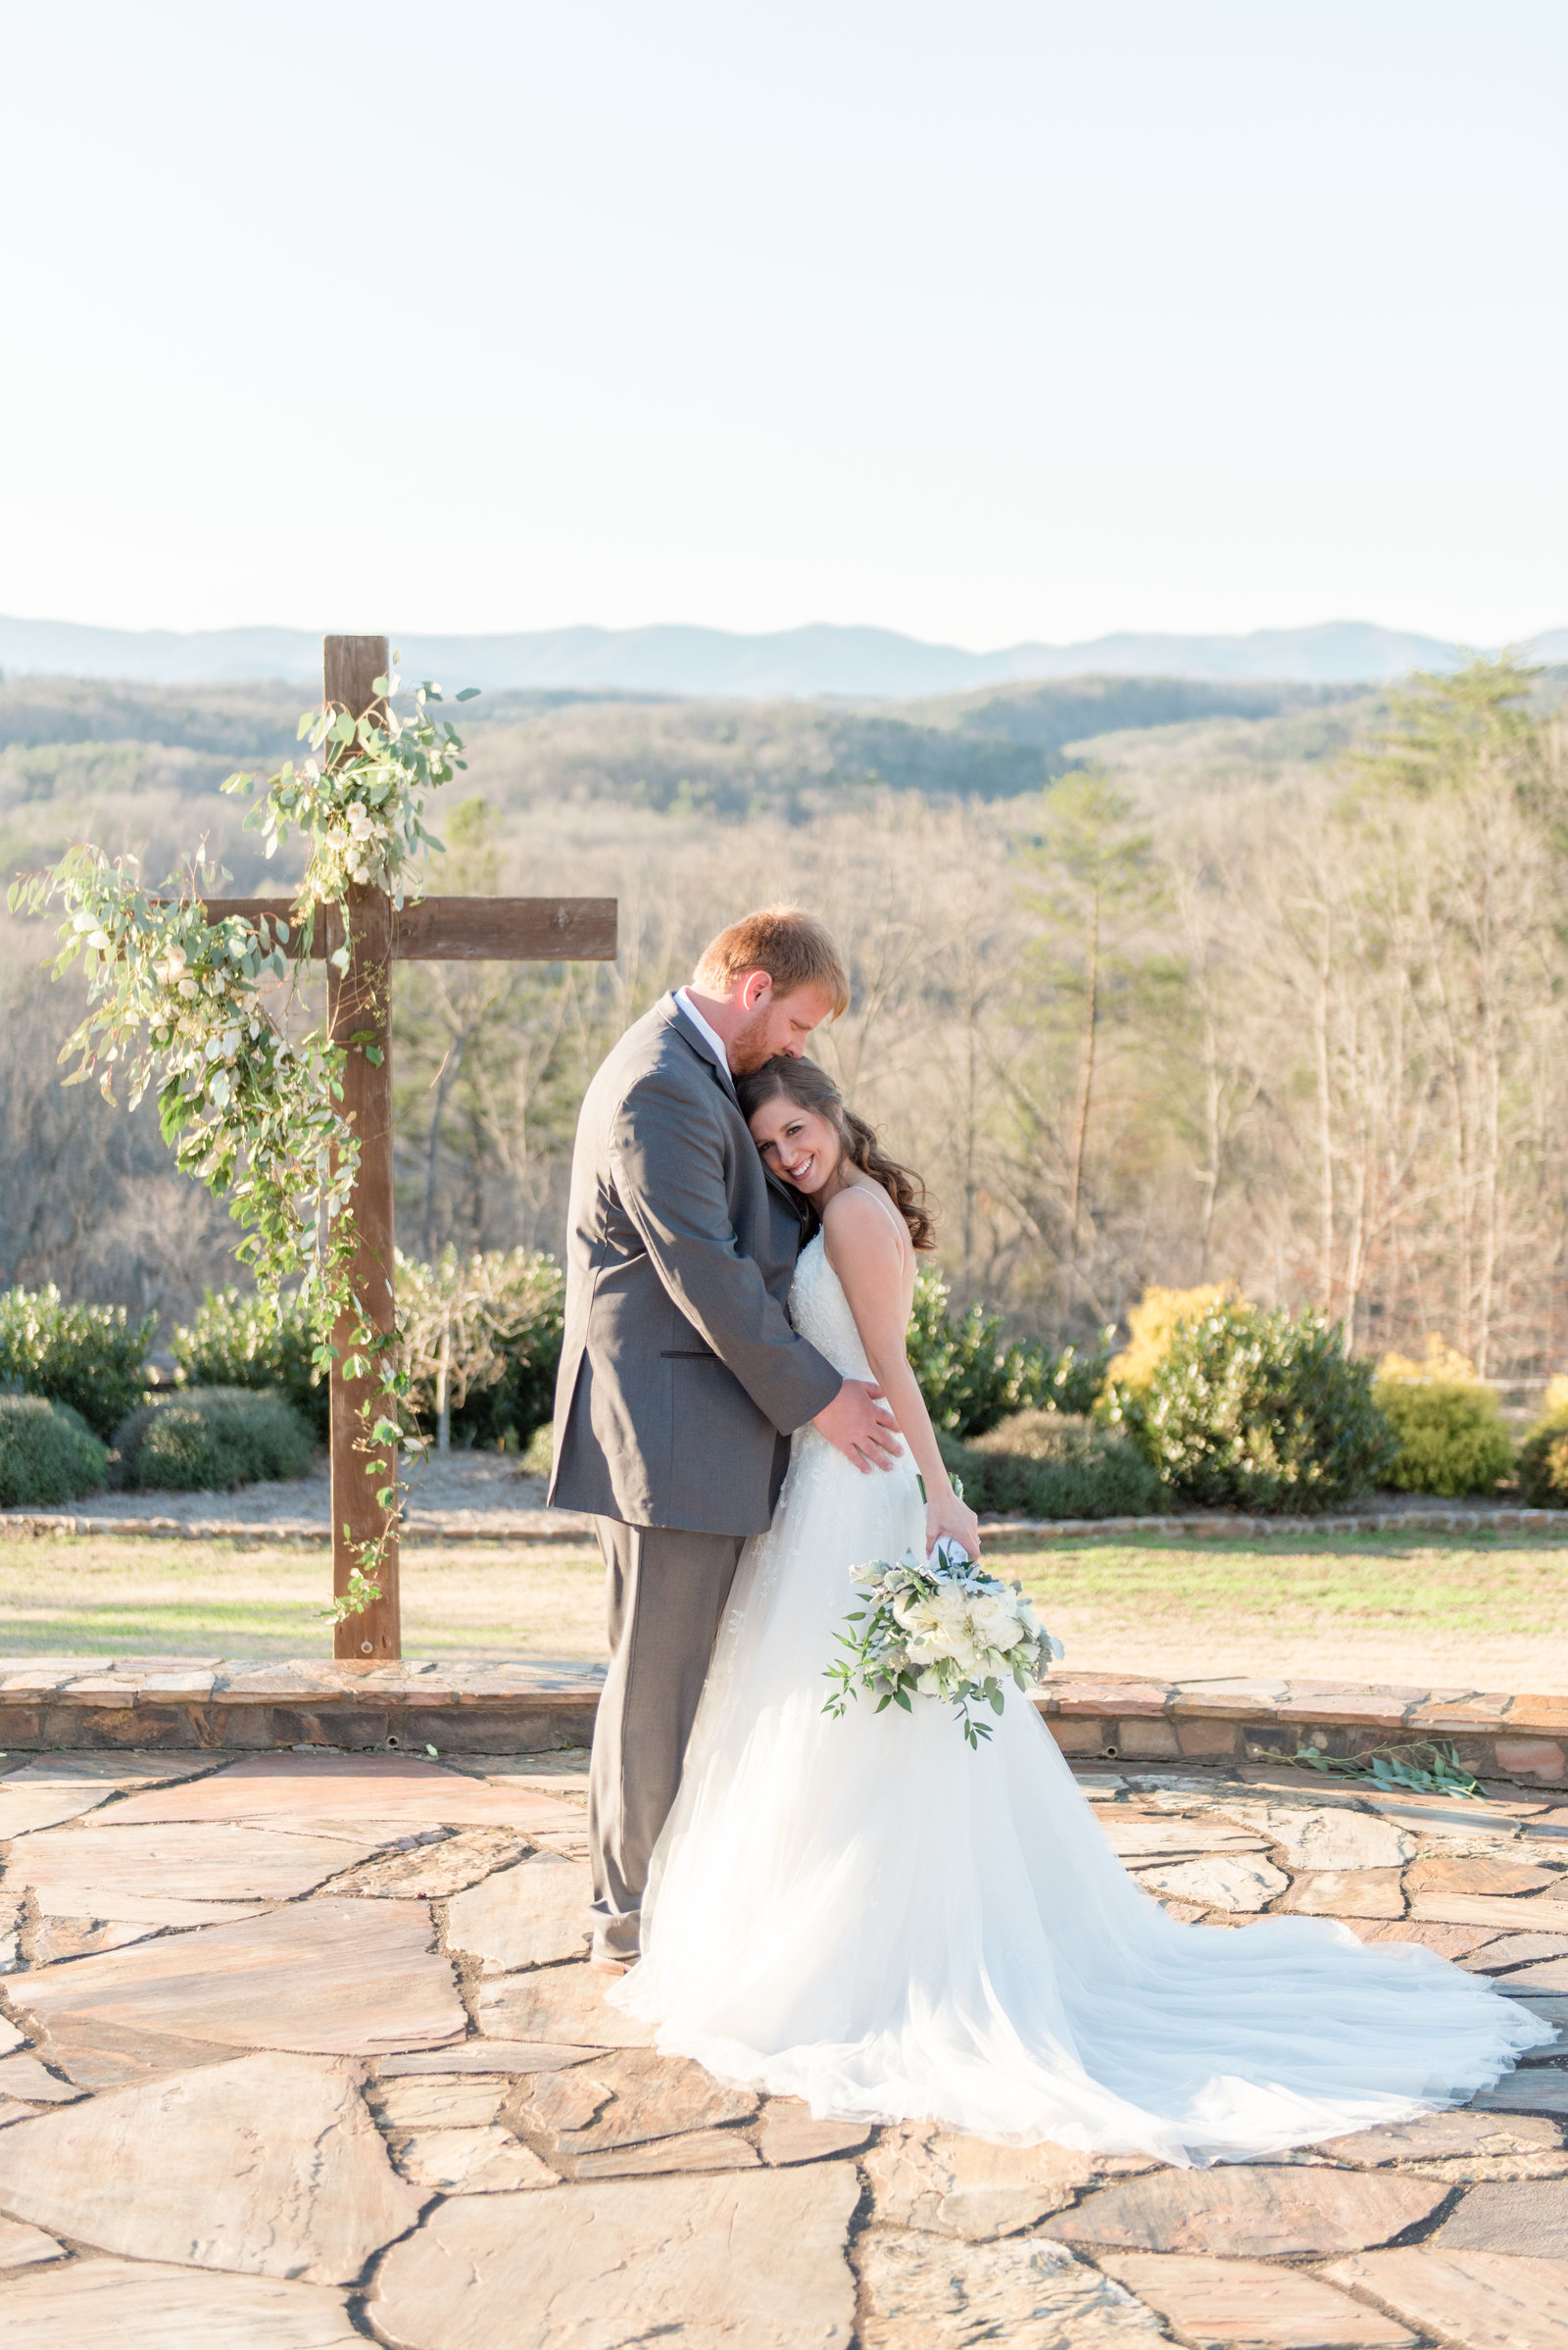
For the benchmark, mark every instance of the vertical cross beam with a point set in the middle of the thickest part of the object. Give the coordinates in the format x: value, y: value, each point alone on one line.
x: 359, y: 1003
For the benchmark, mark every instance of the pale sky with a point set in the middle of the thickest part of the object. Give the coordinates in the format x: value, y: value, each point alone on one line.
x: 987, y: 320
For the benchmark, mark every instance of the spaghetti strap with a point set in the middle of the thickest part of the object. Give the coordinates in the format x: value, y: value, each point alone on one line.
x: 876, y: 1191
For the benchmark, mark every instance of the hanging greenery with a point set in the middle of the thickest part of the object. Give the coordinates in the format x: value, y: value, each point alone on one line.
x: 201, y: 1012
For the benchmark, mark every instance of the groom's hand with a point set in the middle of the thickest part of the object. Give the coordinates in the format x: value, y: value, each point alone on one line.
x: 860, y: 1423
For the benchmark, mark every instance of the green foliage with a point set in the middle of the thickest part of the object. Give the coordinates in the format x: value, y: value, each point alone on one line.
x: 970, y: 1379
x: 1452, y: 1436
x: 209, y: 1440
x: 1396, y: 1769
x: 48, y: 1454
x: 491, y: 1325
x: 242, y: 1338
x: 183, y: 1006
x: 1542, y: 1464
x: 89, y: 1357
x: 1048, y: 1464
x: 1252, y: 1411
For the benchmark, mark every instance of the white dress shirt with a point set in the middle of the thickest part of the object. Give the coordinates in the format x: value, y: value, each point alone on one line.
x: 700, y: 1025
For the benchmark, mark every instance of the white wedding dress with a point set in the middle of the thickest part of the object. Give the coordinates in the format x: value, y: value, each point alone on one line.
x: 866, y: 1914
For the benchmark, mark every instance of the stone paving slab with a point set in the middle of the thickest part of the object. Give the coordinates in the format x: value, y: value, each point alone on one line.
x: 926, y: 2292
x: 523, y: 1916
x: 1258, y: 2212
x: 267, y: 2166
x: 1480, y: 2300
x: 23, y: 2247
x: 95, y: 1871
x: 1529, y: 2216
x: 1236, y: 2304
x: 756, y: 2259
x: 299, y: 1979
x: 400, y: 2080
x: 108, y: 2304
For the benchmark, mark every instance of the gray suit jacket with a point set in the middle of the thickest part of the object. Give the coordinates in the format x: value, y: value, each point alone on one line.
x: 680, y: 1375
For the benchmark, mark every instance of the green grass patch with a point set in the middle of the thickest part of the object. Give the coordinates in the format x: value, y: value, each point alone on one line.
x: 1486, y: 1584
x: 122, y: 1598
x: 1184, y: 1601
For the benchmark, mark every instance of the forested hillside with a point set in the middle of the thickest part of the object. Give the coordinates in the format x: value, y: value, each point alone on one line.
x: 1157, y: 981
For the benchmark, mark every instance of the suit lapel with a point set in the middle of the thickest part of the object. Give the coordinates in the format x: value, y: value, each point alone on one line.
x: 690, y: 1034
x: 693, y: 1037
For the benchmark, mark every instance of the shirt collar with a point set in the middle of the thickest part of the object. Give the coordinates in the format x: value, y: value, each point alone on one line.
x: 714, y: 1042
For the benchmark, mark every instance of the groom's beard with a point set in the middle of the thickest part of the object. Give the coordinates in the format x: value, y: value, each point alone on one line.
x: 748, y: 1046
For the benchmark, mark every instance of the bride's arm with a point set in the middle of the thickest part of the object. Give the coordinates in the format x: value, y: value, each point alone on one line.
x: 862, y: 1247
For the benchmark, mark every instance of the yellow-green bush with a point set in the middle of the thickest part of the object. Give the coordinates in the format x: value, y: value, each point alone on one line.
x: 1543, y: 1465
x: 1452, y: 1437
x: 1152, y: 1323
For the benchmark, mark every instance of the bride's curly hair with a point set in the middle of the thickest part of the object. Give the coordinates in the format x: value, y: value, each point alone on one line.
x: 810, y: 1087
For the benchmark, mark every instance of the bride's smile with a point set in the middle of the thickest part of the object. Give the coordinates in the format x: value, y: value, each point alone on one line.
x: 799, y: 1144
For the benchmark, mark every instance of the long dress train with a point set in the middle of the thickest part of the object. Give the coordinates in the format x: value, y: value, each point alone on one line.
x: 866, y: 1914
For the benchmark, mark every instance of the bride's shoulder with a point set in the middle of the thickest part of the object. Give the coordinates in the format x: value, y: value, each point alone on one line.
x: 861, y: 1219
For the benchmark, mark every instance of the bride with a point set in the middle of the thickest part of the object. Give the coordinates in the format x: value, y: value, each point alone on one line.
x: 865, y: 1912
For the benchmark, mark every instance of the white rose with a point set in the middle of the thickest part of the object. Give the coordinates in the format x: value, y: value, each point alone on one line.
x: 995, y: 1622
x: 932, y: 1634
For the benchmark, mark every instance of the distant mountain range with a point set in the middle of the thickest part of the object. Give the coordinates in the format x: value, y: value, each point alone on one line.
x: 859, y: 664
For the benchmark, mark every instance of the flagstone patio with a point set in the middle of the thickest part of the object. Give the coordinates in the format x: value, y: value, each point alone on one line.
x: 299, y: 2051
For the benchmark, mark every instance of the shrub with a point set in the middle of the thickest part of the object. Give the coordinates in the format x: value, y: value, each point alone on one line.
x: 88, y: 1356
x: 1048, y: 1464
x: 1152, y: 1323
x: 48, y: 1454
x: 1543, y: 1463
x: 238, y: 1340
x: 1452, y: 1436
x: 1442, y: 1363
x: 209, y: 1440
x: 1251, y: 1410
x: 497, y: 1318
x: 970, y: 1379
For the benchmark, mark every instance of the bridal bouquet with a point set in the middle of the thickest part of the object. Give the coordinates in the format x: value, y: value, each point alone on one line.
x: 944, y: 1630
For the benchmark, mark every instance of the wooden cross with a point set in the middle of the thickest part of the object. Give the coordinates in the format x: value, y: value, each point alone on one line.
x: 359, y: 1004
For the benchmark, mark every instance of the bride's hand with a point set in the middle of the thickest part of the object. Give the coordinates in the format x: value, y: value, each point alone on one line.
x: 945, y: 1514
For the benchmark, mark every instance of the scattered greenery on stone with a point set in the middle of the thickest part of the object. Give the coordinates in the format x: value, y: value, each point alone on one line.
x: 48, y: 1454
x: 211, y: 1440
x: 1442, y: 1774
x: 89, y: 1357
x: 1259, y: 1411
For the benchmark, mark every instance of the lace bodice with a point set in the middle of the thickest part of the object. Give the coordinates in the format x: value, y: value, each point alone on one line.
x: 820, y: 1312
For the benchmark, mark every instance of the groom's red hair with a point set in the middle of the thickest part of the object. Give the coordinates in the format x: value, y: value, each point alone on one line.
x: 791, y: 945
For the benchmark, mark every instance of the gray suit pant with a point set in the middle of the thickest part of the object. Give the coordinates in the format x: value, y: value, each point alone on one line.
x: 665, y: 1591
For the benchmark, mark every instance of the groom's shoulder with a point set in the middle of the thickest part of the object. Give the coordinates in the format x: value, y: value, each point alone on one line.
x: 653, y: 1055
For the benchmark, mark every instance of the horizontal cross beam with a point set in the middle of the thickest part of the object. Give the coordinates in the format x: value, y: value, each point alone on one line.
x: 541, y: 930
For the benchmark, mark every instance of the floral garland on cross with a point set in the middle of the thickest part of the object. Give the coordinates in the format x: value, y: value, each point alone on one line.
x: 179, y: 1003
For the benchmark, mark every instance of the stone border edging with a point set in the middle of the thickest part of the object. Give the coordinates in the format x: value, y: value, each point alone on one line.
x: 570, y: 1525
x: 1220, y: 1526
x: 530, y: 1526
x: 185, y: 1704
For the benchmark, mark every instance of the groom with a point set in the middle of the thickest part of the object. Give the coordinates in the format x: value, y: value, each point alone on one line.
x: 681, y: 1379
